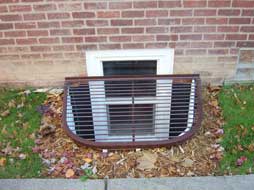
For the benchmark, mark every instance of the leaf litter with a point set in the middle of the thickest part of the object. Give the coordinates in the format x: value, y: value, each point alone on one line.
x: 62, y: 157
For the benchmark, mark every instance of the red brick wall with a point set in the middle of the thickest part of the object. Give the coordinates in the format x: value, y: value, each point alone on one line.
x: 42, y: 41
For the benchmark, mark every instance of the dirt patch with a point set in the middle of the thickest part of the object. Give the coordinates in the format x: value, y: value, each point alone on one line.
x: 198, y: 156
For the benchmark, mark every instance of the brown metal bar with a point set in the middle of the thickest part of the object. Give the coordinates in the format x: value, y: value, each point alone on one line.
x: 79, y: 100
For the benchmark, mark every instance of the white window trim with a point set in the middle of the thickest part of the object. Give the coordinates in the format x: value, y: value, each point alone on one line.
x: 164, y: 58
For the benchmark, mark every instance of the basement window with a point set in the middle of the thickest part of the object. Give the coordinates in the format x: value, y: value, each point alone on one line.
x: 130, y: 96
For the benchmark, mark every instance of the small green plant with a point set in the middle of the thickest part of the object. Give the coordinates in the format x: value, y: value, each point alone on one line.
x: 88, y: 173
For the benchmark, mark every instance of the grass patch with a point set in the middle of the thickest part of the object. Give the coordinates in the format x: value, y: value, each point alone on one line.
x: 237, y: 103
x: 19, y: 120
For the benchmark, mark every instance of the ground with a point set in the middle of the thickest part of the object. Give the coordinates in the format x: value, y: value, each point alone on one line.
x: 61, y: 157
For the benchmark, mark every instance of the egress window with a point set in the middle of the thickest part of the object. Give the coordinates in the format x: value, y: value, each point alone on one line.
x: 130, y: 97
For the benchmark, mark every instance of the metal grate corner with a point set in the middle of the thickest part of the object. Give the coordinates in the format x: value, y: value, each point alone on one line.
x: 132, y: 111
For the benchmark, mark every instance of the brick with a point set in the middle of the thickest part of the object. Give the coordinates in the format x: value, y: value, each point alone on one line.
x: 133, y: 46
x: 120, y: 5
x: 70, y: 6
x: 108, y: 14
x: 107, y: 30
x: 190, y: 37
x: 156, y: 45
x: 145, y: 22
x: 15, y: 17
x: 49, y: 40
x: 182, y: 44
x: 20, y: 8
x: 166, y: 37
x: 195, y: 52
x: 29, y: 1
x: 26, y: 41
x: 96, y: 5
x: 52, y: 24
x: 213, y: 36
x: 120, y: 38
x: 229, y: 12
x: 9, y: 57
x: 64, y: 48
x: 132, y: 14
x: 121, y: 22
x: 243, y: 3
x: 180, y: 12
x: 15, y: 34
x: 248, y: 12
x: 143, y: 38
x: 37, y: 33
x: 132, y: 30
x: 3, y: 9
x: 60, y: 32
x: 95, y: 39
x: 193, y: 21
x: 6, y: 26
x: 169, y: 4
x: 217, y: 51
x: 52, y: 16
x: 205, y: 12
x: 40, y: 48
x: 205, y: 29
x: 181, y: 29
x: 236, y: 37
x: 145, y: 4
x: 157, y: 30
x: 239, y: 20
x: 109, y: 46
x: 30, y: 56
x: 224, y: 44
x: 6, y: 42
x: 245, y: 44
x: 157, y: 13
x: 83, y: 14
x: 251, y: 37
x: 169, y: 21
x: 72, y: 39
x: 8, y: 1
x: 194, y: 3
x: 72, y: 23
x: 221, y: 3
x: 228, y: 28
x: 247, y: 29
x: 34, y: 16
x: 44, y: 7
x: 201, y: 45
x: 227, y: 59
x: 52, y: 55
x: 97, y: 22
x: 85, y: 31
x: 216, y: 21
x: 86, y: 47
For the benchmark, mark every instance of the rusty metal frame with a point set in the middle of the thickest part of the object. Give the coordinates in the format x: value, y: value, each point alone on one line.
x: 140, y: 144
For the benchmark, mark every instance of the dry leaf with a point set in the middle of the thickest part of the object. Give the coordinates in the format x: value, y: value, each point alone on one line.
x: 2, y: 161
x: 5, y: 113
x: 69, y: 173
x: 88, y: 160
x: 187, y: 163
x: 146, y: 162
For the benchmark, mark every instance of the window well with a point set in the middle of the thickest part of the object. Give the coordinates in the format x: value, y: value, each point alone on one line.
x: 131, y: 99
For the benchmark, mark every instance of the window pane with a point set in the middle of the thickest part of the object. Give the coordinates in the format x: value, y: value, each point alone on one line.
x: 146, y: 67
x: 126, y: 120
x: 127, y: 88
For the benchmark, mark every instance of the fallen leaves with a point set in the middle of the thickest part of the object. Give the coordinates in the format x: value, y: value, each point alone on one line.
x: 64, y: 158
x: 5, y: 113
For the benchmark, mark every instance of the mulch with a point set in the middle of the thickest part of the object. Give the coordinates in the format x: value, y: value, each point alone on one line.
x: 62, y: 157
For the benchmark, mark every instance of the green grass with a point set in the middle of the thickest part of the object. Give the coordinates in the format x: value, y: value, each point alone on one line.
x: 17, y: 128
x: 237, y: 103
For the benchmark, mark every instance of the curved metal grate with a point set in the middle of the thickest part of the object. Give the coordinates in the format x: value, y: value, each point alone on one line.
x: 132, y: 111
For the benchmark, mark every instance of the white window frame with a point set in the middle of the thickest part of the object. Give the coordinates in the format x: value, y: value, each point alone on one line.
x: 94, y: 63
